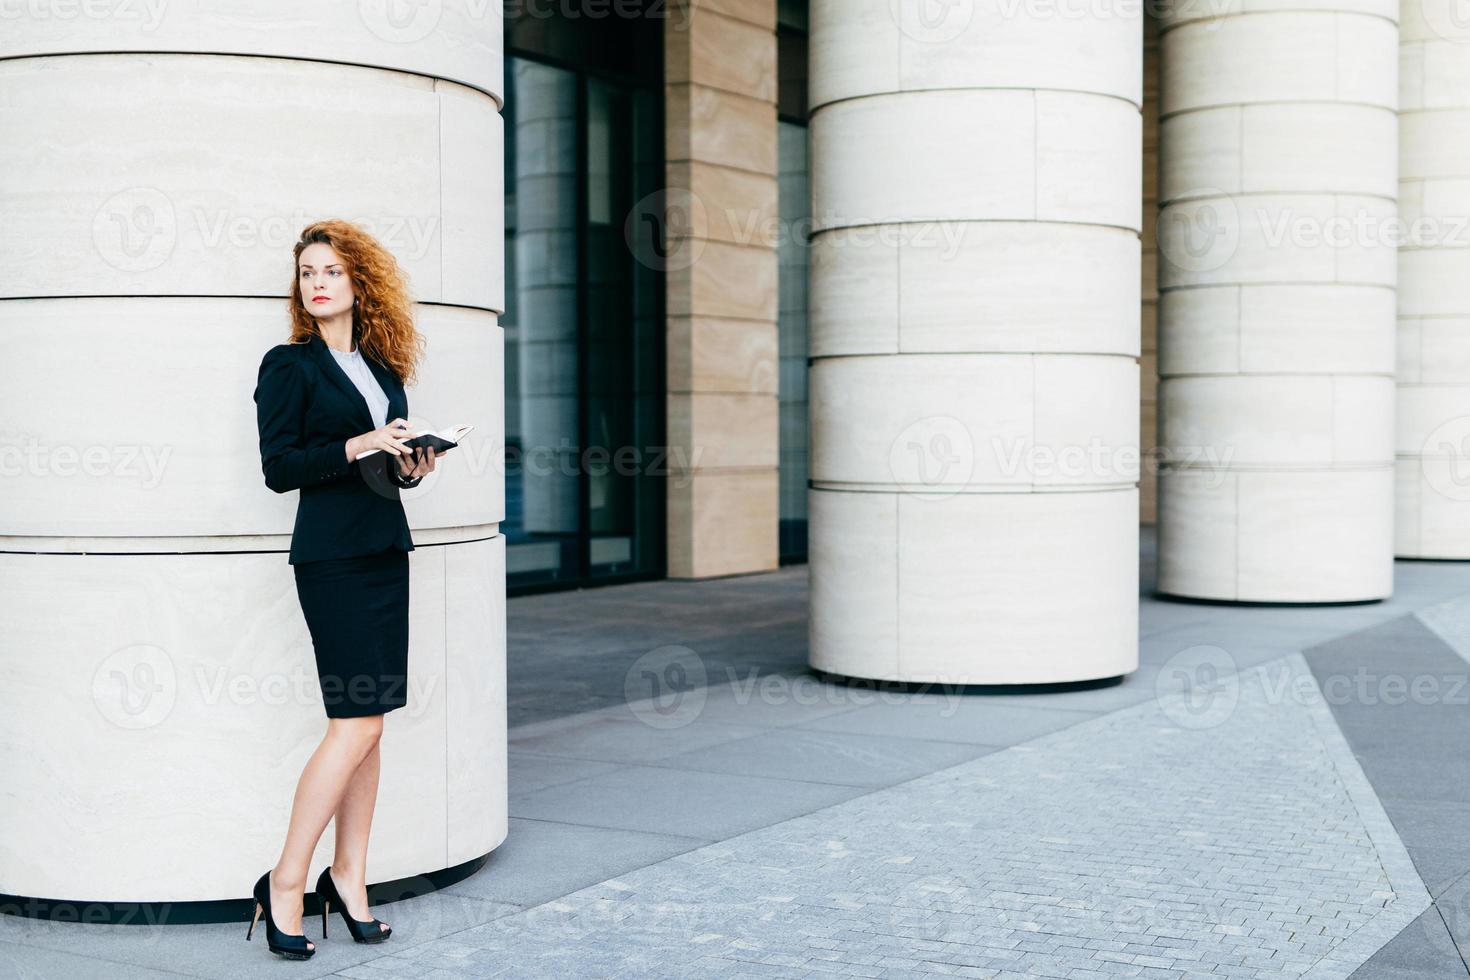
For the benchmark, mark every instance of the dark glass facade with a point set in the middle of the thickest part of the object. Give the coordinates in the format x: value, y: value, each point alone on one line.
x: 792, y: 251
x: 584, y: 319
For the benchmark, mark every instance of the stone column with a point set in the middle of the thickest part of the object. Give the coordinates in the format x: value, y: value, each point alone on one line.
x: 160, y: 694
x: 721, y: 267
x: 1148, y: 361
x: 1278, y: 142
x: 974, y: 341
x: 1432, y: 513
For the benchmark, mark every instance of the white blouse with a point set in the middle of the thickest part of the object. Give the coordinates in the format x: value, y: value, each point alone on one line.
x: 362, y: 376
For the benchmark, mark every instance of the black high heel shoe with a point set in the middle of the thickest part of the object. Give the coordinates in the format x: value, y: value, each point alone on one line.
x: 363, y: 931
x: 288, y: 945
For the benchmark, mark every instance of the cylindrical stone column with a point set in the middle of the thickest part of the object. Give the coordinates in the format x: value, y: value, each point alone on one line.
x: 160, y: 695
x: 1276, y: 349
x: 974, y: 341
x: 1432, y: 493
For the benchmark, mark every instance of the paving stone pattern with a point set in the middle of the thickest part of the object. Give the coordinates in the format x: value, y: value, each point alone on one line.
x: 1159, y: 841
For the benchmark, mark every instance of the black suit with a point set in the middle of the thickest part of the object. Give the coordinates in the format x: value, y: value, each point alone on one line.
x: 306, y: 408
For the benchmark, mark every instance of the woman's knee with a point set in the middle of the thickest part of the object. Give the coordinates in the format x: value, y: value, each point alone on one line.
x: 363, y: 731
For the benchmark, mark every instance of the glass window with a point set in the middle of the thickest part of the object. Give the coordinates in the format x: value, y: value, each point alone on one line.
x: 583, y: 330
x: 792, y: 251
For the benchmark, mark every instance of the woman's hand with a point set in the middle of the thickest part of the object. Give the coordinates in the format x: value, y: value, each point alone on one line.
x: 390, y: 439
x: 417, y: 465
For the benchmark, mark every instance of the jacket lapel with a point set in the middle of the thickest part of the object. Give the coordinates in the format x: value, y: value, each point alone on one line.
x: 397, y: 401
x: 329, y: 367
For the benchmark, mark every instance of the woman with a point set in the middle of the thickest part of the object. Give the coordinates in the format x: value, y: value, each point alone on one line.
x: 335, y: 390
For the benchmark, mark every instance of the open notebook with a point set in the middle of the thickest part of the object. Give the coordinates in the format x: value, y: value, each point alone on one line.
x: 441, y: 441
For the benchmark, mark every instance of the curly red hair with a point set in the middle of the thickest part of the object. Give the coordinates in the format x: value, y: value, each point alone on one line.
x: 382, y: 322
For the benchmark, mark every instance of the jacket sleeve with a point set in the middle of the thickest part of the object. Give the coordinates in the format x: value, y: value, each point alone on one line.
x: 280, y: 405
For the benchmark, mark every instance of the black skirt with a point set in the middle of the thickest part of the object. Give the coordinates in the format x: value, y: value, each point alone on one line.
x: 357, y: 612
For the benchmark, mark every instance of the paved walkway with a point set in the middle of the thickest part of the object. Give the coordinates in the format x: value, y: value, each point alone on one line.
x: 686, y: 801
x: 1159, y: 841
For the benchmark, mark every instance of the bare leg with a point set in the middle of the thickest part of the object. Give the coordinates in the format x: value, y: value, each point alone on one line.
x: 354, y: 825
x: 319, y: 791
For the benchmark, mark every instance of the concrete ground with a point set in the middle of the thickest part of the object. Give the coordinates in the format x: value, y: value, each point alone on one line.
x: 1276, y: 792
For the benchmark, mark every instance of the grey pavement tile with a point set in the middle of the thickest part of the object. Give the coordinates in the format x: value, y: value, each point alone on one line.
x: 772, y: 699
x: 32, y: 963
x: 1453, y: 904
x: 1136, y: 687
x: 1155, y: 615
x: 217, y: 950
x: 1254, y: 841
x: 1373, y: 971
x: 685, y: 803
x: 950, y: 718
x: 530, y: 771
x: 828, y: 757
x: 620, y: 736
x: 1424, y: 946
x: 1398, y: 771
x: 1401, y: 697
x: 1244, y: 642
x: 525, y: 708
x: 542, y: 860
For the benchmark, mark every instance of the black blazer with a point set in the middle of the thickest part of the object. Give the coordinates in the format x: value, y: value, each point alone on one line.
x: 306, y: 408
